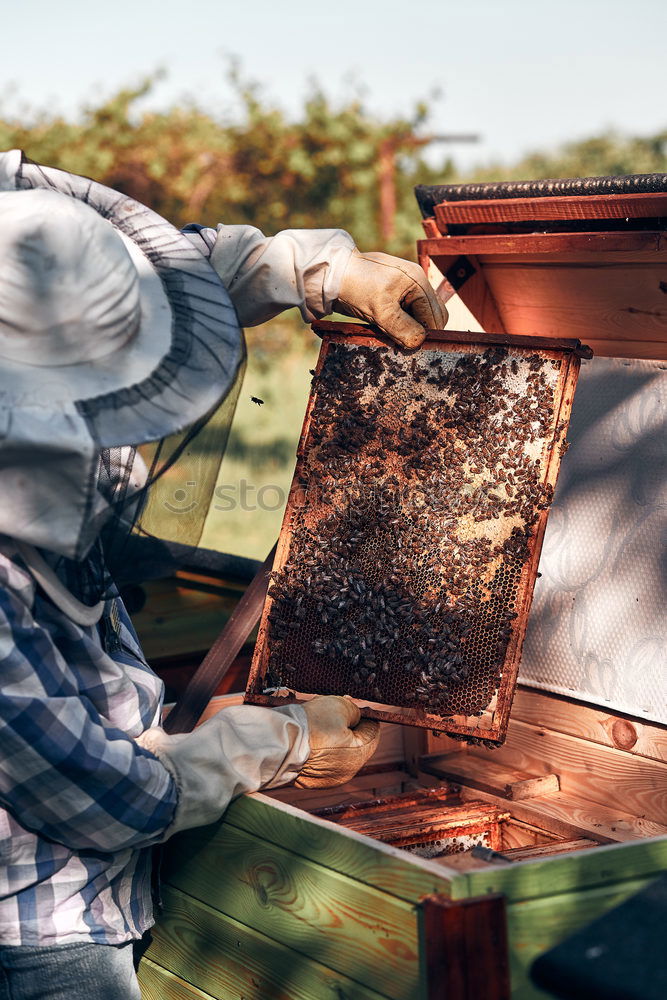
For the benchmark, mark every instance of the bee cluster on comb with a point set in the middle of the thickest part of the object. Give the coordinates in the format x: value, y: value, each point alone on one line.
x: 416, y: 495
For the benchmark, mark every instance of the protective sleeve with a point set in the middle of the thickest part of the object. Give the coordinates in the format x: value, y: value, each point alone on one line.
x: 65, y: 773
x: 68, y: 775
x: 265, y: 275
x: 241, y: 749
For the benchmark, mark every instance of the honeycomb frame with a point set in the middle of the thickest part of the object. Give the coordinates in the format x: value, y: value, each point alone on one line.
x: 401, y: 449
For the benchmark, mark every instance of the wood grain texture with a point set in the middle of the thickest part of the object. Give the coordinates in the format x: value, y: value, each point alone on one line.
x: 557, y: 713
x: 548, y: 850
x: 579, y: 872
x: 517, y: 834
x: 232, y: 961
x: 350, y: 927
x: 545, y: 243
x: 568, y: 817
x: 159, y: 984
x: 165, y: 623
x: 610, y: 302
x: 346, y: 851
x: 475, y: 771
x: 601, y: 774
x: 529, y: 788
x: 568, y: 207
x: 465, y: 948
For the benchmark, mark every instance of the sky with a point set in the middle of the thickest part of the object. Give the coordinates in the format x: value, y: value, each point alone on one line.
x: 522, y: 74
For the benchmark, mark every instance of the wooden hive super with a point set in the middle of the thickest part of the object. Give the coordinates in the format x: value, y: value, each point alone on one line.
x: 282, y: 898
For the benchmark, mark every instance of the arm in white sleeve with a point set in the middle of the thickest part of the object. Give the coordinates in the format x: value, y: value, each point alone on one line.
x: 265, y: 275
x: 241, y: 749
x: 70, y: 775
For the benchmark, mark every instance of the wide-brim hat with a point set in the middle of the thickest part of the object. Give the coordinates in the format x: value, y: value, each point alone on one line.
x: 185, y: 350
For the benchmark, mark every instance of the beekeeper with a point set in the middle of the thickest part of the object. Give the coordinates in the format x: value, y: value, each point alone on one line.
x: 117, y: 329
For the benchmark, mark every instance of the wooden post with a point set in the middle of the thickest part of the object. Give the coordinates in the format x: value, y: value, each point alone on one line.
x: 463, y: 948
x: 387, y: 178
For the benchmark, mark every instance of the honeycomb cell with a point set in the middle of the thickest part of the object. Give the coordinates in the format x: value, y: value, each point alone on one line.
x: 420, y: 484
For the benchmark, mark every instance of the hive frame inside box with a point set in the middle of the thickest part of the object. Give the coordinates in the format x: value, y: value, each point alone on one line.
x: 491, y: 724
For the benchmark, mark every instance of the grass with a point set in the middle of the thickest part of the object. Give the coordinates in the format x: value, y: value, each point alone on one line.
x: 257, y: 469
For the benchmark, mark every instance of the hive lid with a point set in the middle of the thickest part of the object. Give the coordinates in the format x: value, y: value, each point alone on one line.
x: 409, y: 548
x: 430, y: 195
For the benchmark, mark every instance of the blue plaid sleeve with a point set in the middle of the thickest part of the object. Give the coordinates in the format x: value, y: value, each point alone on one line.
x: 66, y: 773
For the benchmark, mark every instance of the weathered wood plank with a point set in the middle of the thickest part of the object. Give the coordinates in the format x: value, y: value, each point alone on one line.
x: 605, y: 775
x: 530, y: 788
x: 537, y: 925
x: 644, y: 739
x: 350, y: 927
x: 487, y: 775
x: 564, y: 209
x: 587, y: 870
x: 545, y: 243
x: 346, y: 851
x: 232, y: 961
x: 364, y: 786
x: 548, y: 850
x: 605, y: 303
x: 465, y: 948
x: 159, y: 984
x: 568, y: 817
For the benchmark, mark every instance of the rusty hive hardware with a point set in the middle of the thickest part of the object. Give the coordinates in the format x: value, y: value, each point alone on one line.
x: 409, y: 547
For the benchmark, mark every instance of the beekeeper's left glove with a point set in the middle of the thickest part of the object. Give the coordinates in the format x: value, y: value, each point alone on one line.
x: 393, y: 294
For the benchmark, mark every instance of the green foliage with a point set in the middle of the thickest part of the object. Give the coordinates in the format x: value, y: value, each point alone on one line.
x: 599, y: 156
x: 321, y: 168
x: 318, y: 170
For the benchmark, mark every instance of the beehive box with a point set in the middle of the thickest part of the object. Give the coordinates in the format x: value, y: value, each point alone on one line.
x: 275, y: 901
x: 278, y: 901
x: 409, y: 548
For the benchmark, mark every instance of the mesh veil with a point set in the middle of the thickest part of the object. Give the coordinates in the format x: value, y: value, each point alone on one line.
x: 152, y: 496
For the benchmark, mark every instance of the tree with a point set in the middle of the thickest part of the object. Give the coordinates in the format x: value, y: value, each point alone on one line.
x: 319, y: 170
x: 599, y: 156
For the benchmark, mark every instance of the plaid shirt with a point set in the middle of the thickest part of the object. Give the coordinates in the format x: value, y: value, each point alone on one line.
x: 82, y: 801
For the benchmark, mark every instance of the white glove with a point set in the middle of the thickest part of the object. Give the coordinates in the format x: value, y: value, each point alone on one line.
x: 340, y: 744
x: 240, y: 749
x: 390, y: 293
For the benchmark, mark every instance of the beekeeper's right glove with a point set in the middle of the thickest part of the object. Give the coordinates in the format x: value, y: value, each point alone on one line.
x: 244, y: 748
x: 241, y: 749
